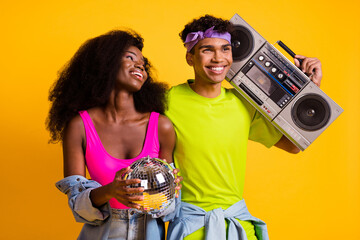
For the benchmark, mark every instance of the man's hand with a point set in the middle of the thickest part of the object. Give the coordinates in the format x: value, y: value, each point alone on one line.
x: 311, y: 67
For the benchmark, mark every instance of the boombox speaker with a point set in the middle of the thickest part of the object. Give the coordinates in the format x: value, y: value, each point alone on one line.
x: 277, y: 88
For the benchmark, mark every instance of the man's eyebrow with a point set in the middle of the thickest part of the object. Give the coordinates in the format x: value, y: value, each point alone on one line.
x: 211, y: 46
x: 206, y: 46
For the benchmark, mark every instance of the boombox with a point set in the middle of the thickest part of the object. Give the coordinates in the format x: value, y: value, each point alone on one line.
x: 277, y: 88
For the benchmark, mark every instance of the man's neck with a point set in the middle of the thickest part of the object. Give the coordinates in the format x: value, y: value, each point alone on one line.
x: 206, y: 90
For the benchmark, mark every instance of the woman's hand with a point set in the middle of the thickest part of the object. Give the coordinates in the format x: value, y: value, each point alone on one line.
x: 124, y: 194
x: 177, y: 181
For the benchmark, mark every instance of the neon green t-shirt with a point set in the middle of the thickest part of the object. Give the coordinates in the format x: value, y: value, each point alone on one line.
x: 212, y: 136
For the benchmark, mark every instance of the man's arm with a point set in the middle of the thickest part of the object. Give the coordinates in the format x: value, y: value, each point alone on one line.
x: 286, y: 145
x: 312, y: 68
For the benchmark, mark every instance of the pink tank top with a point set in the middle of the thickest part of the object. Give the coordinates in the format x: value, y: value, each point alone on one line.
x: 102, y: 166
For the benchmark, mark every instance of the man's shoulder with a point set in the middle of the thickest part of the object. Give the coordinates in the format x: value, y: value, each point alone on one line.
x: 175, y: 97
x: 180, y: 89
x: 233, y: 93
x: 240, y: 100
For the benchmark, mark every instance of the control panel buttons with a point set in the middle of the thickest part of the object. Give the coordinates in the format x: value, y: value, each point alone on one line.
x: 267, y: 64
x: 281, y: 77
x: 282, y: 102
x: 274, y: 70
x: 261, y: 58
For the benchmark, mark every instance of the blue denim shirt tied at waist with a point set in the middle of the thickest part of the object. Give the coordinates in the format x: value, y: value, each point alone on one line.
x: 98, y: 220
x: 191, y: 218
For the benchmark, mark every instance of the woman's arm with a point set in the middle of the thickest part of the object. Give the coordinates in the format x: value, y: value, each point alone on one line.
x: 75, y: 185
x: 167, y: 139
x: 74, y: 143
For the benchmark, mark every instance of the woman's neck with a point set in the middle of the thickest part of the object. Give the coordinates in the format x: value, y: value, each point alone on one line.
x: 120, y: 106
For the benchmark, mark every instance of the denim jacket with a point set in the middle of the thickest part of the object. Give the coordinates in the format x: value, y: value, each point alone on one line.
x: 191, y: 218
x: 98, y: 220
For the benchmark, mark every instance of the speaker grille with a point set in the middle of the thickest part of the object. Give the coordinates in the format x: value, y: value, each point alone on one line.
x: 242, y: 43
x: 311, y: 112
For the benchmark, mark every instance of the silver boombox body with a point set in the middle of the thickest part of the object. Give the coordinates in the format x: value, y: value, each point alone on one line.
x: 277, y: 88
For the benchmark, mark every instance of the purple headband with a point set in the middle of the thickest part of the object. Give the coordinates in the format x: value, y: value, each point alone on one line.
x: 194, y: 37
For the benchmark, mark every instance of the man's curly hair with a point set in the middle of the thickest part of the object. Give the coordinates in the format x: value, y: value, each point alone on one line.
x: 88, y: 78
x: 205, y: 22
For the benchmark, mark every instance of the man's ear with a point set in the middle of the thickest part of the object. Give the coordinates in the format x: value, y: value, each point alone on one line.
x: 189, y: 58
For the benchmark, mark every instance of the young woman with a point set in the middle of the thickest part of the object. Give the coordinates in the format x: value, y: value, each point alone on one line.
x: 107, y: 111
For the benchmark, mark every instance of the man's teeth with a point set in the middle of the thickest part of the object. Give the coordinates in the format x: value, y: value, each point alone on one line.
x: 217, y: 68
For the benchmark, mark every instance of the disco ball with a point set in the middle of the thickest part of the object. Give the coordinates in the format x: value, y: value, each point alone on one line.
x: 157, y: 179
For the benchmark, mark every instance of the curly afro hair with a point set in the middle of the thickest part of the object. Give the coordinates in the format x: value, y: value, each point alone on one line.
x: 205, y: 22
x: 88, y: 78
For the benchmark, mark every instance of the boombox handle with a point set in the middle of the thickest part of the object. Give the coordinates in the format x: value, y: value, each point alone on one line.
x: 288, y: 50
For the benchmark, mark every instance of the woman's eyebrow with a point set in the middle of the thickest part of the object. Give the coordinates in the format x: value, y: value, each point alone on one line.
x: 135, y: 54
x: 131, y: 52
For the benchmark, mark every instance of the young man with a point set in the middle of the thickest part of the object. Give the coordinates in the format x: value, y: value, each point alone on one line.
x: 213, y: 127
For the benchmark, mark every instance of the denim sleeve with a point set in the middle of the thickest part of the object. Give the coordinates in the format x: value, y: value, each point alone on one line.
x: 78, y: 189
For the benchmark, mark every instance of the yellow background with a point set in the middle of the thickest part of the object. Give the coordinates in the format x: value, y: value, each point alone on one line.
x: 312, y: 195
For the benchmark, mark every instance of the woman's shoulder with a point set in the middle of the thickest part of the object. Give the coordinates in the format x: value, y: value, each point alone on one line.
x: 164, y: 124
x: 167, y: 137
x: 74, y: 132
x: 75, y: 122
x: 75, y: 125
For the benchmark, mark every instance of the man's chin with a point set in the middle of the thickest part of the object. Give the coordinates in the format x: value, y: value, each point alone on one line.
x: 217, y: 79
